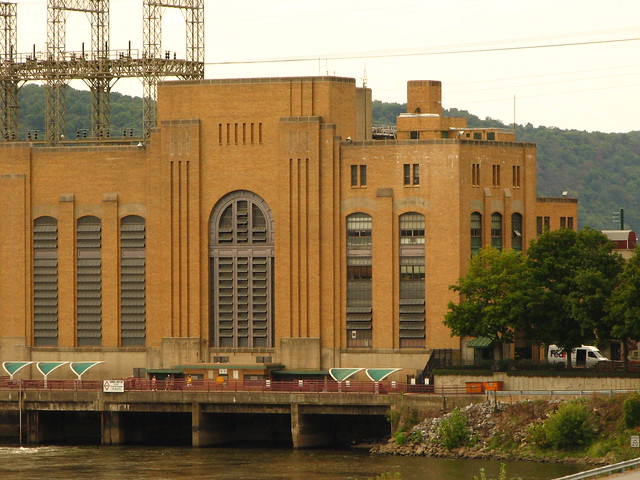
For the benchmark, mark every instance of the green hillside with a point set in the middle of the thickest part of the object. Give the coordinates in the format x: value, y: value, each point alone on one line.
x: 601, y: 169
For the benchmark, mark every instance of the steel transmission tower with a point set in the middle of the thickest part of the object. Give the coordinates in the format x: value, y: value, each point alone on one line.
x: 194, y: 14
x: 99, y: 67
x: 9, y: 83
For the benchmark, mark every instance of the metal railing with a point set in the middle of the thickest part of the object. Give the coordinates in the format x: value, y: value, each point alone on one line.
x: 199, y: 385
x: 606, y: 470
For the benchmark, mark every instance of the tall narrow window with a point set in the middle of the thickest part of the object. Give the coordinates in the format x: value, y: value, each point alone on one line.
x: 475, y: 174
x: 412, y: 286
x: 45, y: 282
x: 133, y: 323
x: 515, y: 181
x: 496, y: 231
x: 563, y: 222
x: 476, y: 232
x: 89, y: 281
x: 358, y: 175
x: 570, y: 223
x: 538, y: 225
x: 496, y: 175
x: 359, y: 281
x: 516, y: 232
x: 241, y: 268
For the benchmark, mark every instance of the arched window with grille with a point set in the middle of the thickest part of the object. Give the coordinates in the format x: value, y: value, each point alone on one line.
x: 476, y: 232
x: 359, y: 281
x: 89, y: 281
x: 241, y: 272
x: 45, y: 282
x: 412, y: 286
x: 516, y: 232
x: 133, y: 318
x: 496, y: 230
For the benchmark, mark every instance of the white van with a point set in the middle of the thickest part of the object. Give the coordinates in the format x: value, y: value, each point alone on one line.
x: 584, y: 356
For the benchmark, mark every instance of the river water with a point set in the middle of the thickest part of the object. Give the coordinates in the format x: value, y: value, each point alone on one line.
x: 132, y: 463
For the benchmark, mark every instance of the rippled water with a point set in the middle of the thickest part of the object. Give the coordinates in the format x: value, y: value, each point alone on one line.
x: 123, y: 462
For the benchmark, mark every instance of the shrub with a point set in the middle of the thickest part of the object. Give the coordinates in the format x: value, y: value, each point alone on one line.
x: 631, y: 411
x: 453, y: 431
x: 569, y: 427
x: 400, y: 438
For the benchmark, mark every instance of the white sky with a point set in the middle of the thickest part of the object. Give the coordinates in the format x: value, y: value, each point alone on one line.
x: 586, y: 87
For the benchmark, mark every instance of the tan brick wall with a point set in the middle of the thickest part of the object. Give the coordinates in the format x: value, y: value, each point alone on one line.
x: 285, y: 141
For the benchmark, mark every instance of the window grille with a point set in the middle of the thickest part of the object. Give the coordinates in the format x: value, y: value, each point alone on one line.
x: 45, y: 282
x: 132, y: 281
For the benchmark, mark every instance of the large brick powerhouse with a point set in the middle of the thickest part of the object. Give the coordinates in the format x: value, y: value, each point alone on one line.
x: 260, y: 223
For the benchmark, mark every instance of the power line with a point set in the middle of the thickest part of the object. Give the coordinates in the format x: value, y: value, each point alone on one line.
x: 415, y: 54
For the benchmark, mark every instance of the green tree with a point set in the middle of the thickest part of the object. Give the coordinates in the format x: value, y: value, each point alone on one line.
x: 574, y: 274
x: 494, y: 297
x: 623, y: 306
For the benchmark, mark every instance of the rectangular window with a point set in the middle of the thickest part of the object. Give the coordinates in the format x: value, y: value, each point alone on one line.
x: 411, y: 174
x: 477, y: 135
x: 538, y: 225
x: 358, y: 175
x: 235, y: 133
x: 260, y: 133
x: 354, y: 175
x: 491, y: 136
x: 228, y: 133
x: 516, y: 176
x: 475, y: 174
x: 414, y: 135
x: 570, y: 223
x: 563, y: 222
x: 546, y: 224
x: 496, y: 175
x: 252, y: 133
x: 219, y: 134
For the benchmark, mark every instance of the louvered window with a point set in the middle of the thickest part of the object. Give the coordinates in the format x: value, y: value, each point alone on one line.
x: 241, y: 266
x: 476, y: 233
x: 89, y: 281
x: 45, y: 282
x: 411, y: 306
x: 359, y: 281
x: 496, y: 231
x: 133, y: 323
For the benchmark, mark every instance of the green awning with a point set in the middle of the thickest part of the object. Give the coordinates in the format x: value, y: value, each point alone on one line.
x: 46, y: 368
x: 379, y: 374
x: 14, y: 367
x: 341, y: 374
x: 80, y: 367
x: 480, y: 342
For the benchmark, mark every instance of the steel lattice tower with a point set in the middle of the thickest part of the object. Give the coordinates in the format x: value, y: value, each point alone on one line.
x: 99, y: 67
x: 153, y: 50
x: 9, y: 83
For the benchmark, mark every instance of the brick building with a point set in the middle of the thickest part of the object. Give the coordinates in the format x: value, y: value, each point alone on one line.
x: 259, y: 224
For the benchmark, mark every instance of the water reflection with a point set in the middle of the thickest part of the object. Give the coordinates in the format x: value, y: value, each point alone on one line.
x: 134, y: 463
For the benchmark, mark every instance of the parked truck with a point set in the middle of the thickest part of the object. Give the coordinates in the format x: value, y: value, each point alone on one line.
x: 584, y: 356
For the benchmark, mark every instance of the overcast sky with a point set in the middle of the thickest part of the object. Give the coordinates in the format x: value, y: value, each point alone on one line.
x: 486, y: 53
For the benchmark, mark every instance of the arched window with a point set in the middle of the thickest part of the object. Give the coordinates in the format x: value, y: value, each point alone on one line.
x: 359, y: 281
x: 496, y: 230
x: 45, y: 282
x: 241, y: 268
x: 476, y: 232
x: 89, y: 281
x: 412, y: 287
x: 516, y: 232
x: 133, y: 322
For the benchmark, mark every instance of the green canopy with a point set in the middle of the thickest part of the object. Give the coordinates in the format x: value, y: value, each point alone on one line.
x: 480, y: 342
x: 379, y: 374
x: 14, y: 367
x: 80, y: 367
x: 341, y: 374
x: 46, y: 368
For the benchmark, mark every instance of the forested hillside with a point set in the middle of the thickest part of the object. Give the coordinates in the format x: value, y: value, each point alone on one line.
x: 601, y: 169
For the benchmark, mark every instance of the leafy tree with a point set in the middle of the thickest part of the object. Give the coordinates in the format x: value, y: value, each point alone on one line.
x: 623, y: 306
x: 574, y: 273
x: 494, y: 297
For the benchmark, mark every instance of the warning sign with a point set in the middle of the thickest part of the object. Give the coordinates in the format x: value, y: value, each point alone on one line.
x: 113, y: 386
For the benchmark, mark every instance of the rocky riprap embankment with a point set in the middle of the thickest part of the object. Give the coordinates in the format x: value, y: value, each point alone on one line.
x: 486, y: 421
